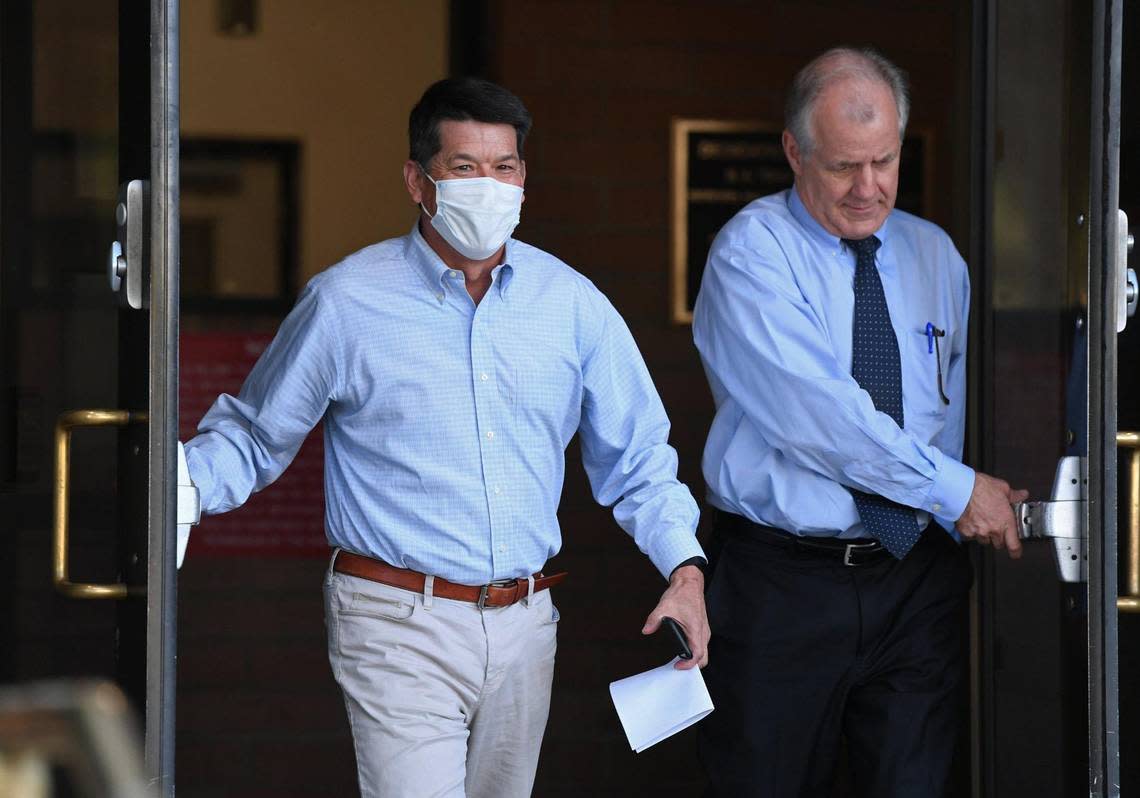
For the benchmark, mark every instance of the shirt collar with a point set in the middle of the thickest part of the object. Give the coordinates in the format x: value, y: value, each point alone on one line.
x: 432, y: 269
x: 504, y: 273
x: 424, y: 260
x: 816, y: 231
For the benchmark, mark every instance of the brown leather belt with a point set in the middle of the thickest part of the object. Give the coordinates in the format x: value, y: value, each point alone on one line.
x: 496, y: 594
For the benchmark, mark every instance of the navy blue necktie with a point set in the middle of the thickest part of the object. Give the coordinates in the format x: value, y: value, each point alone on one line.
x: 878, y: 370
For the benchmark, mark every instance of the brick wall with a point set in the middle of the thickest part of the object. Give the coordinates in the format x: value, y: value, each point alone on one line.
x: 258, y: 711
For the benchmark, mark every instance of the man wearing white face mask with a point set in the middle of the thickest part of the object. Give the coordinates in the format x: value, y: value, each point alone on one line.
x: 474, y: 215
x: 451, y: 367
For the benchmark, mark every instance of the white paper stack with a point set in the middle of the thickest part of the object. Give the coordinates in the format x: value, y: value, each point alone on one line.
x: 659, y: 703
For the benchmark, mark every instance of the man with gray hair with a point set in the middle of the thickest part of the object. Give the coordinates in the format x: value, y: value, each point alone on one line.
x: 832, y: 328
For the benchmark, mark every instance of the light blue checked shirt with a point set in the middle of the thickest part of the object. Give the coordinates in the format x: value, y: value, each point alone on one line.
x: 446, y: 423
x: 773, y: 324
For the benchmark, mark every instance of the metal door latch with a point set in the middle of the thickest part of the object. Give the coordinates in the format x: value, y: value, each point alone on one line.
x: 127, y: 263
x: 1062, y: 519
x: 189, y: 504
x: 1126, y: 285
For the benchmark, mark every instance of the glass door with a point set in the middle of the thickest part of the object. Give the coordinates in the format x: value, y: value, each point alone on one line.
x: 1128, y: 415
x: 88, y: 350
x: 1047, y: 100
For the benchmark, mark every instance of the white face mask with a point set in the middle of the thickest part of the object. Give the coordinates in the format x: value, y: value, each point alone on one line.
x: 475, y: 215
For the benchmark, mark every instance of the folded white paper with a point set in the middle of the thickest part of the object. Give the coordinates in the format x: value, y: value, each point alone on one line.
x: 659, y: 703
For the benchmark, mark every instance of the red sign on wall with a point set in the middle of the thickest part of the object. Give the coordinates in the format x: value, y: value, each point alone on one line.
x: 287, y: 519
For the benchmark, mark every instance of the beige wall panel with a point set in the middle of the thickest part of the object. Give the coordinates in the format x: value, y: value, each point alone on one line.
x: 340, y: 76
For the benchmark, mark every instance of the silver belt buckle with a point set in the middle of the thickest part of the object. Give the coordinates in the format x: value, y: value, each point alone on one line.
x: 851, y: 549
x: 482, y: 602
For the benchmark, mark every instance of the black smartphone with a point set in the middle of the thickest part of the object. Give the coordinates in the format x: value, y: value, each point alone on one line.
x: 683, y: 650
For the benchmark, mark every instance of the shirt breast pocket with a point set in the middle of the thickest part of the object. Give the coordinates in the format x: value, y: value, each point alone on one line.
x: 924, y: 383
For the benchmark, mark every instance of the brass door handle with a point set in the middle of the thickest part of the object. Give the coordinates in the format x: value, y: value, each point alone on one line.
x: 1130, y: 601
x: 63, y: 427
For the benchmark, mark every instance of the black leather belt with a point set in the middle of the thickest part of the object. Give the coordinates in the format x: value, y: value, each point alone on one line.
x: 852, y: 552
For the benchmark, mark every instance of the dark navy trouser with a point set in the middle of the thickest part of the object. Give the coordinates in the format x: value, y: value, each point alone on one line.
x: 806, y: 651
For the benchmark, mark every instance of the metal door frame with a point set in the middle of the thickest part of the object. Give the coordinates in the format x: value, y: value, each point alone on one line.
x: 982, y: 83
x: 1104, y: 198
x: 161, y: 633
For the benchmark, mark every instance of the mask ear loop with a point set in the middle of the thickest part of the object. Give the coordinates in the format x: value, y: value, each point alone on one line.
x: 422, y: 208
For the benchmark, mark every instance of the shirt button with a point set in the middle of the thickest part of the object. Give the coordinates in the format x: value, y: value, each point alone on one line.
x: 483, y: 376
x: 502, y: 548
x: 453, y: 274
x: 490, y: 435
x: 498, y: 490
x: 439, y: 297
x: 936, y: 507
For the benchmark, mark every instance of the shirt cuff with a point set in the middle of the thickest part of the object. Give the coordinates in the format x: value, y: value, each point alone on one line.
x: 953, y: 486
x: 674, y: 549
x: 700, y: 562
x: 199, y: 477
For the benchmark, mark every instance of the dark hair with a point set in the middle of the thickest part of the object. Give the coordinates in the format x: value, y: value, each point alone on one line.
x: 461, y: 100
x: 840, y: 63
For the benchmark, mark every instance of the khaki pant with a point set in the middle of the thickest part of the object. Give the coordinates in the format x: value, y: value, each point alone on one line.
x: 444, y: 699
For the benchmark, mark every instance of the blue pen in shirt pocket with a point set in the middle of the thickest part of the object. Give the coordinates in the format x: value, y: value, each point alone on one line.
x: 933, y: 334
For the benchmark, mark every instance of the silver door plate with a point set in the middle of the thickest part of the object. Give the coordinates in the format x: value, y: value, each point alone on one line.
x: 127, y: 266
x: 1062, y: 519
x: 1126, y: 288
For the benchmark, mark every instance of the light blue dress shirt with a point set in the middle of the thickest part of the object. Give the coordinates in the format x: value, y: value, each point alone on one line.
x: 793, y: 430
x: 446, y: 422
